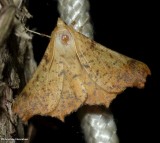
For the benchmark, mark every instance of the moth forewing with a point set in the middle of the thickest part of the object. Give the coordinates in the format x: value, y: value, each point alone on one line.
x: 110, y: 70
x: 43, y: 92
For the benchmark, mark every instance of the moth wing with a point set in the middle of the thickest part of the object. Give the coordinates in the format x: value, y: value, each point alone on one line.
x: 42, y: 92
x: 96, y: 94
x: 73, y: 95
x: 110, y: 70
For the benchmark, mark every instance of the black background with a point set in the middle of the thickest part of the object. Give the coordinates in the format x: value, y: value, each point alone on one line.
x: 130, y: 28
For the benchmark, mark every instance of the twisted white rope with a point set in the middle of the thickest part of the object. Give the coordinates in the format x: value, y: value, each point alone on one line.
x: 77, y: 12
x: 99, y: 126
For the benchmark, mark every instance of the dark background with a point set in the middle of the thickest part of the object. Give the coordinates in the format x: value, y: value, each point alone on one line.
x: 130, y: 28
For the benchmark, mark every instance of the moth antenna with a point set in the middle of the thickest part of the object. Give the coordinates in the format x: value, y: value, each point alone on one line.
x: 37, y: 33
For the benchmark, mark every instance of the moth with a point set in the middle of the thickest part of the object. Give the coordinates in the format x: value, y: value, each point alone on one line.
x: 75, y: 71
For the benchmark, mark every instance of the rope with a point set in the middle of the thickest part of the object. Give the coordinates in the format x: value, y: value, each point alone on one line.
x: 77, y: 12
x: 99, y: 126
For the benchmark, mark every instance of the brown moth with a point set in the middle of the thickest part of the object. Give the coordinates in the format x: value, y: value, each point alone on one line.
x: 74, y: 71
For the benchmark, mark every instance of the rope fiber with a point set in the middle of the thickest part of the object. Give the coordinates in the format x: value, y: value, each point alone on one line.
x: 77, y: 12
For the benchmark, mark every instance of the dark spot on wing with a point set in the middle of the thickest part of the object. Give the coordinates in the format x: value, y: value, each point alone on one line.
x: 111, y: 56
x: 46, y: 58
x: 37, y: 77
x: 93, y: 44
x: 76, y: 75
x: 132, y: 64
x: 97, y: 72
x: 24, y: 94
x: 62, y: 73
x: 86, y: 66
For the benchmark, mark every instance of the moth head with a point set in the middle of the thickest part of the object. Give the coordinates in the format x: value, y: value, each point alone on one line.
x: 63, y: 33
x: 63, y: 40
